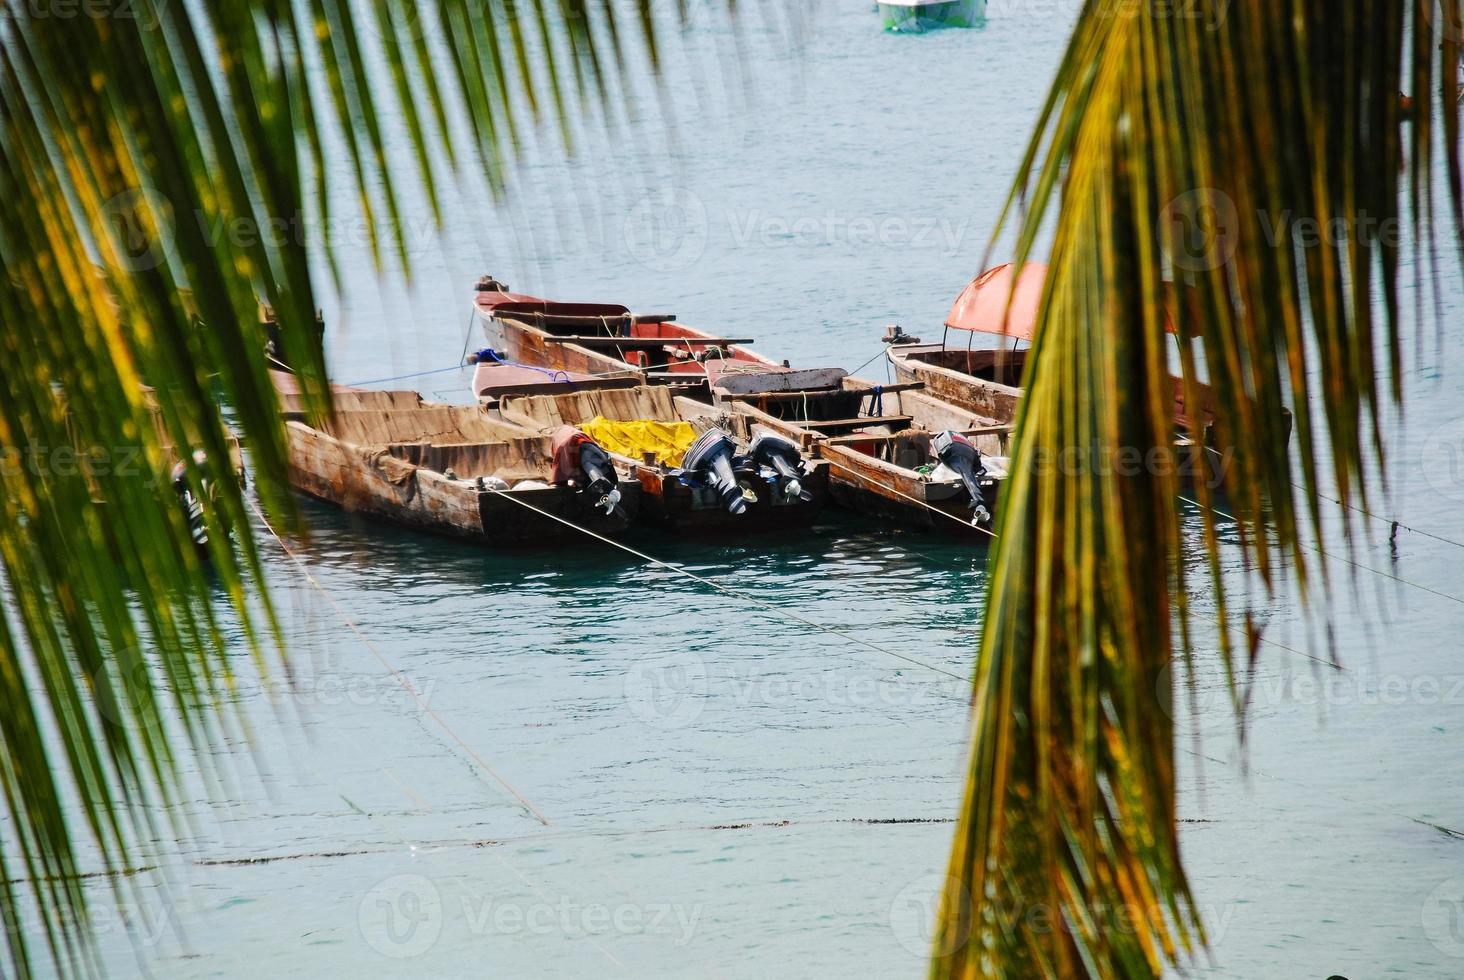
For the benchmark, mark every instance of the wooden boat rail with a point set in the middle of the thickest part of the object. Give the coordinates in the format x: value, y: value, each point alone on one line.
x: 1000, y: 431
x: 646, y: 342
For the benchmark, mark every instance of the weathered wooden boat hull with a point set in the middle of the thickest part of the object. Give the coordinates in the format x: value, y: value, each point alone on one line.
x: 869, y: 486
x: 962, y: 388
x: 382, y: 486
x: 518, y: 341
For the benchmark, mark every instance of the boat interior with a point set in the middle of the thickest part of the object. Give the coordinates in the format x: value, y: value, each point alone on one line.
x: 651, y: 341
x: 894, y: 423
x: 435, y: 436
x: 645, y: 402
x: 1002, y: 366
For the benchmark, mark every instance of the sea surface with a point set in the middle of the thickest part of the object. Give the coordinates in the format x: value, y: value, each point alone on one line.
x: 605, y: 768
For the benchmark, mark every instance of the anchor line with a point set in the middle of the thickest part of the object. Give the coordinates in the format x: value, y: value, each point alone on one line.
x: 1347, y: 561
x: 1395, y: 525
x: 737, y: 593
x: 396, y: 673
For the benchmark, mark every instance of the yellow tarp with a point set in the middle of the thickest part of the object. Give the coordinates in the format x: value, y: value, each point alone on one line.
x: 668, y: 440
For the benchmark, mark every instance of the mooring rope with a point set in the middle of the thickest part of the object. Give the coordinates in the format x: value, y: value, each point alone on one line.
x: 747, y: 596
x: 1394, y: 524
x: 554, y: 374
x: 396, y: 672
x: 934, y: 510
x: 591, y: 833
x: 1348, y: 561
x: 404, y: 377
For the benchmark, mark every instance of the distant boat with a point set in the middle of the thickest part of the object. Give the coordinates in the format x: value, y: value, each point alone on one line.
x: 921, y: 15
x: 606, y: 340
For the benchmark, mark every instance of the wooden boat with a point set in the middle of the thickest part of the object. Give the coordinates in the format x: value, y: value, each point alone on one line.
x: 893, y: 451
x: 693, y: 473
x: 607, y: 340
x: 987, y: 379
x: 1003, y: 304
x: 453, y: 470
x: 923, y: 15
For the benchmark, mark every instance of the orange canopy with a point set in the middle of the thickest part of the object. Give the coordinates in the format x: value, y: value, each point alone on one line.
x: 983, y: 304
x: 983, y: 308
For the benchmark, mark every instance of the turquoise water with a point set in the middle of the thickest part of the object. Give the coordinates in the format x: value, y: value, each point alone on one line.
x: 720, y: 782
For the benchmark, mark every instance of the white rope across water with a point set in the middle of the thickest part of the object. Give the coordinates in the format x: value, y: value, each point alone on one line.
x: 915, y: 500
x: 396, y: 672
x: 1347, y: 561
x: 746, y: 596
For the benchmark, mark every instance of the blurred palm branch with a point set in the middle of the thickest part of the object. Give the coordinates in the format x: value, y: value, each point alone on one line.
x: 156, y: 160
x: 1174, y: 140
x: 1192, y: 151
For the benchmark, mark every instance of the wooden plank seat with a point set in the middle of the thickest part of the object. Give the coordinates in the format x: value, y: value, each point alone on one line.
x: 812, y: 393
x: 853, y: 437
x: 834, y: 425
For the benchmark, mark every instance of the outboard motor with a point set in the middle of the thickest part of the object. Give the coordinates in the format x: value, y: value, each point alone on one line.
x: 957, y: 452
x: 710, y: 458
x: 580, y: 461
x: 781, y: 457
x: 600, y: 479
x: 192, y: 505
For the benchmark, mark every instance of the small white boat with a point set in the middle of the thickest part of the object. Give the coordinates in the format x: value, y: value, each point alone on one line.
x: 922, y: 15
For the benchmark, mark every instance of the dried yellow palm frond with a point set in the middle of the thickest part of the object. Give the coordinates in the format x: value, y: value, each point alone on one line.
x: 1184, y: 147
x: 151, y: 152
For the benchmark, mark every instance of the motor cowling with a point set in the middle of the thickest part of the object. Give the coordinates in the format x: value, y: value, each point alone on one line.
x: 782, y: 463
x: 710, y: 459
x: 600, y: 479
x: 961, y: 455
x: 191, y: 503
x: 582, y: 463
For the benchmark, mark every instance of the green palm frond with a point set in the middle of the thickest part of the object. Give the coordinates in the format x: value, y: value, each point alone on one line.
x: 1190, y: 150
x: 150, y: 151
